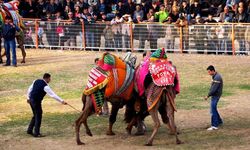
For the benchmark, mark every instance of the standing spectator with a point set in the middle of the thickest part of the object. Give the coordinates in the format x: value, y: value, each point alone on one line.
x: 169, y: 36
x: 116, y: 27
x: 40, y: 33
x: 182, y: 23
x: 113, y: 12
x: 35, y: 94
x: 138, y: 12
x: 125, y: 20
x: 150, y: 14
x: 140, y: 32
x: 28, y: 37
x: 162, y: 15
x: 70, y: 32
x: 82, y: 4
x: 108, y: 36
x: 233, y: 4
x: 215, y: 93
x: 8, y: 32
x: 41, y: 9
x: 199, y: 34
x: 152, y: 34
x: 220, y: 32
x: 69, y: 3
x: 66, y: 11
x: 89, y: 28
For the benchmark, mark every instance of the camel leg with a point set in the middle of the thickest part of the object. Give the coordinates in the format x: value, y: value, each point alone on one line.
x: 83, y: 119
x: 112, y: 118
x: 20, y: 41
x: 1, y: 60
x: 154, y: 115
x: 170, y: 113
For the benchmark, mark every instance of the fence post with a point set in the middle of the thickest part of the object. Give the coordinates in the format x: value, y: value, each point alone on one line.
x: 83, y: 36
x: 36, y: 32
x: 181, y: 39
x: 131, y: 36
x: 233, y: 38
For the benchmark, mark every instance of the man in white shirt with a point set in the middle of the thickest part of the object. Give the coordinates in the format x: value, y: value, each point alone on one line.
x: 35, y: 94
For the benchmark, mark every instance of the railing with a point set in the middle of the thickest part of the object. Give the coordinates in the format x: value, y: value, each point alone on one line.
x: 206, y: 38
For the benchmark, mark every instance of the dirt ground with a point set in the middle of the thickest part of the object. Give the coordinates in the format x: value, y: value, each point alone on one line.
x: 185, y: 119
x: 238, y: 106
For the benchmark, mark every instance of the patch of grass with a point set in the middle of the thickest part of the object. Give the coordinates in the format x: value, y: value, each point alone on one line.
x: 244, y: 86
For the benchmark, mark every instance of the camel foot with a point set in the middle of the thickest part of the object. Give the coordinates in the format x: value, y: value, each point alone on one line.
x: 179, y: 142
x: 172, y: 133
x: 110, y: 133
x: 128, y: 130
x: 148, y: 144
x: 23, y: 62
x: 138, y: 133
x: 89, y: 133
x: 80, y: 143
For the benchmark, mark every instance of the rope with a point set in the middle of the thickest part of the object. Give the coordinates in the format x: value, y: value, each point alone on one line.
x: 73, y: 107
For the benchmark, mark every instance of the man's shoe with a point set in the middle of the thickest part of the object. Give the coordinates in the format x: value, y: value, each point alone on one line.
x: 212, y: 128
x: 6, y: 65
x: 14, y: 65
x: 29, y: 132
x: 38, y: 135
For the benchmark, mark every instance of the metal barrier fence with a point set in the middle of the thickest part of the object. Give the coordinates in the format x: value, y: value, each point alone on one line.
x: 206, y: 38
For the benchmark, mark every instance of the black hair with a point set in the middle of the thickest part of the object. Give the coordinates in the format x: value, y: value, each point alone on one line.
x: 8, y: 18
x: 144, y: 54
x: 96, y: 59
x: 211, y: 68
x: 46, y: 76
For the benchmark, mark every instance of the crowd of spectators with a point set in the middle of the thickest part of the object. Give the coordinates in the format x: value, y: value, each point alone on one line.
x: 161, y: 10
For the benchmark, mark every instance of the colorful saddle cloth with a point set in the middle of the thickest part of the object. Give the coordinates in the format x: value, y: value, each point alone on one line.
x: 115, y: 75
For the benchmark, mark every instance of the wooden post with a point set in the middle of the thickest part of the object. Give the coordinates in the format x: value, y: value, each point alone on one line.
x: 83, y: 36
x: 181, y: 39
x: 131, y: 37
x: 233, y: 35
x: 36, y: 32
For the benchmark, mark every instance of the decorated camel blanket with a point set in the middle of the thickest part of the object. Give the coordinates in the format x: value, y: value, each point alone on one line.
x: 163, y: 74
x: 113, y: 77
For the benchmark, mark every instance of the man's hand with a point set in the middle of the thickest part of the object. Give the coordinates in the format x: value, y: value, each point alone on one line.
x: 206, y: 97
x: 28, y: 101
x: 64, y: 103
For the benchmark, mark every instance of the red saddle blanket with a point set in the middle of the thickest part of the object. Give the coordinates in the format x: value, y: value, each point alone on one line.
x: 162, y: 72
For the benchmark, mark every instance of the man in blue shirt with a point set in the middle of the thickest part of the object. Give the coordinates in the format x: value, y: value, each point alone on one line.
x: 9, y: 32
x: 215, y: 93
x: 35, y: 94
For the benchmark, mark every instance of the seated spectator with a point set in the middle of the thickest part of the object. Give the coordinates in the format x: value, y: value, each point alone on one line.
x: 41, y: 9
x: 102, y: 7
x: 241, y: 15
x: 113, y: 12
x: 162, y: 15
x: 226, y: 15
x: 150, y: 14
x: 174, y: 14
x: 233, y: 4
x: 155, y: 6
x: 130, y: 7
x: 69, y: 3
x: 146, y: 6
x: 52, y: 7
x: 195, y: 9
x: 137, y: 12
x: 65, y: 12
x: 210, y: 19
x: 121, y: 8
x: 185, y: 10
x: 82, y: 4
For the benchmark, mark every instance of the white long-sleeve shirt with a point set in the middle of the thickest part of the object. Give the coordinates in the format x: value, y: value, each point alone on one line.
x: 46, y: 89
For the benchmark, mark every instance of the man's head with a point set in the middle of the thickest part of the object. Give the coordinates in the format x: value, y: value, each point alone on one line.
x: 8, y: 19
x: 211, y: 70
x: 96, y: 60
x: 46, y: 77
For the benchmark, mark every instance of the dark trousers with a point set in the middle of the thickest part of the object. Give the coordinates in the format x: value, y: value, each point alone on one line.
x: 37, y: 118
x: 215, y: 116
